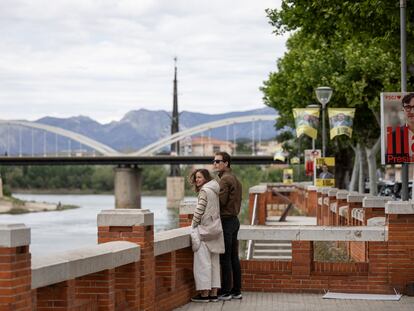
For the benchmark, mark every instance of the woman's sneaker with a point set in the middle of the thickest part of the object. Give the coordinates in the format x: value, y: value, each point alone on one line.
x: 236, y: 295
x: 200, y: 298
x: 213, y: 298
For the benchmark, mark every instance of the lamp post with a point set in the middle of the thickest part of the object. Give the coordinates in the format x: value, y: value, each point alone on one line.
x: 324, y: 94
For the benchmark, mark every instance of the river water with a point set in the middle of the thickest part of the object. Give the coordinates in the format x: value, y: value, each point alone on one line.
x: 70, y: 229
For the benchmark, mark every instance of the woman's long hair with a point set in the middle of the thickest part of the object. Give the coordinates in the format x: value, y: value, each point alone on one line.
x: 192, y: 178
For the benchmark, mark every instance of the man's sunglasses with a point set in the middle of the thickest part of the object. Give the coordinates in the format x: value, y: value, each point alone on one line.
x: 218, y: 161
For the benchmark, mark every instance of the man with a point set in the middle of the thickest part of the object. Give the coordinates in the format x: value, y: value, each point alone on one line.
x: 408, y: 108
x: 230, y: 202
x: 325, y: 174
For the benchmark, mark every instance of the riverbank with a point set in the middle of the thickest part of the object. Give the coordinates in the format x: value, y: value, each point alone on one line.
x: 10, y: 205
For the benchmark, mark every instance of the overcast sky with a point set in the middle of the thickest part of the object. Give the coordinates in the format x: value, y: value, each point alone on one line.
x: 103, y: 58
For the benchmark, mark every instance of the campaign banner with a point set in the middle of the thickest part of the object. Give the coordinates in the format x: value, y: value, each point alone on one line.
x: 325, y: 172
x: 288, y: 176
x: 341, y: 121
x: 310, y: 156
x: 279, y: 155
x: 295, y: 160
x: 397, y: 128
x: 306, y: 121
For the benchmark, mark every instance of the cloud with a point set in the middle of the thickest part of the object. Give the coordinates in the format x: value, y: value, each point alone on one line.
x: 103, y: 58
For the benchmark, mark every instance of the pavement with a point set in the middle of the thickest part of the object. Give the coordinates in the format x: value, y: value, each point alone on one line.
x: 255, y: 301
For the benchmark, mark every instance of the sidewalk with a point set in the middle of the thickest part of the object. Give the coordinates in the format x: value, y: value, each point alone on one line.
x: 254, y: 301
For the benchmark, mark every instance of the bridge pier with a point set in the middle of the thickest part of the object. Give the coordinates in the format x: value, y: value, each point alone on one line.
x: 127, y: 187
x: 175, y: 191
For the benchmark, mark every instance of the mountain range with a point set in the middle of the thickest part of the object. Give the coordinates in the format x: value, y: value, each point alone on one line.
x: 135, y: 130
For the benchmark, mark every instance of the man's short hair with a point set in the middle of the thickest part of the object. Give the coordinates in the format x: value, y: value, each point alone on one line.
x: 407, y: 98
x: 226, y: 157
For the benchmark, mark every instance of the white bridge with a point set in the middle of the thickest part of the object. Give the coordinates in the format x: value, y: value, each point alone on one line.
x: 148, y: 150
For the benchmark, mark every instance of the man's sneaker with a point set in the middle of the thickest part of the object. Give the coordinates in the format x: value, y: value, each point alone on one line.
x: 225, y: 297
x: 213, y: 298
x: 236, y: 295
x: 200, y: 298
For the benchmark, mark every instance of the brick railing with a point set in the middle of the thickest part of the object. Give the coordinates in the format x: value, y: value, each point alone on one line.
x: 131, y: 268
x: 134, y: 269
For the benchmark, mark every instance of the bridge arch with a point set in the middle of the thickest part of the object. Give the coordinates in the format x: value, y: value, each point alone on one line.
x: 102, y: 148
x: 148, y: 150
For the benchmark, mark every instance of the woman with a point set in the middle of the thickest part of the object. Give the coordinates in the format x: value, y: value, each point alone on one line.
x: 206, y: 258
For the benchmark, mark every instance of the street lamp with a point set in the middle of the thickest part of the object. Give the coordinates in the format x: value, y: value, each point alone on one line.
x: 324, y: 94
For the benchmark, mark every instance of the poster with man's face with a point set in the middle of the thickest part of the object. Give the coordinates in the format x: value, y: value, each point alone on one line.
x: 397, y: 128
x: 325, y: 172
x: 288, y: 176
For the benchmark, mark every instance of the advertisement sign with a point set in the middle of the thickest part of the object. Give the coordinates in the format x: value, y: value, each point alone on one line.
x: 310, y: 156
x: 397, y: 128
x: 288, y: 176
x: 325, y: 172
x: 341, y: 121
x: 306, y: 121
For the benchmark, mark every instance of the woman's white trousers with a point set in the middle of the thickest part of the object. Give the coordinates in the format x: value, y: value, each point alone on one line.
x: 206, y: 268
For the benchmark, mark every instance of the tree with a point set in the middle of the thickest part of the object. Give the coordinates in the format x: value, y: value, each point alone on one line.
x: 352, y: 46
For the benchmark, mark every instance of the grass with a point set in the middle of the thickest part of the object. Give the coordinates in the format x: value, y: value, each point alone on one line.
x: 330, y: 251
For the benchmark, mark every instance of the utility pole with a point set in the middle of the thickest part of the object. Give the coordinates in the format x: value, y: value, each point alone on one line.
x: 403, y: 43
x: 175, y: 147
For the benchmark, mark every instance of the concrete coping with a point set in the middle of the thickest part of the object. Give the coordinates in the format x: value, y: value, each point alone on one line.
x: 284, y: 189
x: 14, y: 235
x: 187, y: 207
x: 304, y: 185
x: 343, y: 211
x: 342, y: 194
x: 311, y: 188
x: 376, y: 221
x: 72, y: 264
x: 125, y: 217
x: 171, y: 240
x: 375, y: 201
x: 356, y: 197
x: 333, y: 206
x: 258, y: 189
x: 358, y: 213
x: 325, y: 190
x: 399, y: 207
x: 332, y: 192
x: 313, y: 233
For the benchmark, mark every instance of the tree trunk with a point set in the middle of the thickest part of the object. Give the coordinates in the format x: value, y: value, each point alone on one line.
x: 355, y: 170
x: 361, y: 180
x: 372, y: 166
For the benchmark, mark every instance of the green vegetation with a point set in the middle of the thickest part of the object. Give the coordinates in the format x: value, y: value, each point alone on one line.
x: 88, y: 179
x: 329, y: 251
x: 351, y: 46
x: 100, y: 179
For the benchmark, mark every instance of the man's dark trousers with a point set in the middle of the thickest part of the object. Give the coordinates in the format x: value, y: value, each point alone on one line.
x: 230, y: 263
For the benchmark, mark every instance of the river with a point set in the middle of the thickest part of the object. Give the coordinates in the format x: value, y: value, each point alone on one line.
x: 70, y: 229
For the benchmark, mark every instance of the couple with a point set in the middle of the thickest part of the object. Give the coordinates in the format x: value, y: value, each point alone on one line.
x: 217, y: 199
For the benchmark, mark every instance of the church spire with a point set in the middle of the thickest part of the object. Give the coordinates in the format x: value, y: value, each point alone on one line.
x: 175, y: 147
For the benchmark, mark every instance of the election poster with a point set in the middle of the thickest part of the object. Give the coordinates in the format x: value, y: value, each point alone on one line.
x: 397, y: 128
x: 306, y: 121
x: 288, y: 176
x: 325, y: 172
x: 341, y: 121
x: 310, y: 156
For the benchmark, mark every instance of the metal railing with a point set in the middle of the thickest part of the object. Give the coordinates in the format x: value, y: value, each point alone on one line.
x: 253, y: 222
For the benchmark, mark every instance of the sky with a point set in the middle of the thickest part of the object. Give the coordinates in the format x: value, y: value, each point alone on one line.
x: 103, y: 58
